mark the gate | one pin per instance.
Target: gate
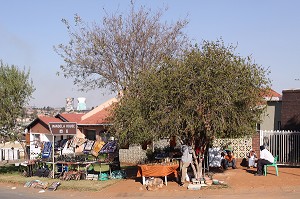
(285, 144)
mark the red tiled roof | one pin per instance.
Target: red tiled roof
(71, 117)
(97, 118)
(47, 119)
(44, 120)
(271, 93)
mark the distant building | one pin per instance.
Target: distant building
(69, 104)
(81, 106)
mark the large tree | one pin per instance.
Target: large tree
(211, 92)
(16, 89)
(112, 52)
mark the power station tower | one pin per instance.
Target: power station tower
(81, 106)
(69, 107)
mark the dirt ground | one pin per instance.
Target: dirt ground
(241, 183)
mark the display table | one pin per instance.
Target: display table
(84, 164)
(157, 170)
(29, 167)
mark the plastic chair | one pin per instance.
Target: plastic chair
(272, 165)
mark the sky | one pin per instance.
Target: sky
(267, 30)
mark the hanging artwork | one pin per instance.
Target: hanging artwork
(67, 149)
(109, 147)
(46, 152)
(97, 147)
(88, 145)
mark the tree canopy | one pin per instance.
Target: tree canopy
(111, 53)
(16, 89)
(210, 92)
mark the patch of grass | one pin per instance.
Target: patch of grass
(12, 174)
(80, 185)
(8, 169)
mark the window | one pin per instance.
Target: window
(36, 140)
(90, 134)
(258, 127)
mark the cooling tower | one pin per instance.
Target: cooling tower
(81, 106)
(69, 104)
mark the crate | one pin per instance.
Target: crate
(91, 177)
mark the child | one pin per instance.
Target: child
(252, 157)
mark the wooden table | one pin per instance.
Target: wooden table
(157, 170)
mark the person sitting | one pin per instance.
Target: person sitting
(229, 160)
(265, 158)
(252, 158)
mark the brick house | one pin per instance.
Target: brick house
(89, 125)
(290, 113)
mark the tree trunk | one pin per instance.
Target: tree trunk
(196, 167)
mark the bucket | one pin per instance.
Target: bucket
(103, 176)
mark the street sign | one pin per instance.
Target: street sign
(63, 128)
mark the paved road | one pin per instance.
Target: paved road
(19, 192)
(11, 192)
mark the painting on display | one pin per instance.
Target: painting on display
(89, 145)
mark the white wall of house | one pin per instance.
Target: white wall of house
(36, 140)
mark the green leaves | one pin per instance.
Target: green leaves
(15, 91)
(210, 92)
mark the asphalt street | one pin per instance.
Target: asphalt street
(10, 192)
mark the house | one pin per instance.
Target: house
(271, 118)
(290, 112)
(89, 125)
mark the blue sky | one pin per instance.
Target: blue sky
(267, 30)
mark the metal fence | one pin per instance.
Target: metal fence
(9, 154)
(285, 144)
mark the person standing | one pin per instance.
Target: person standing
(186, 160)
(265, 158)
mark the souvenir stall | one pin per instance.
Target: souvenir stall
(59, 129)
(67, 164)
(105, 154)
